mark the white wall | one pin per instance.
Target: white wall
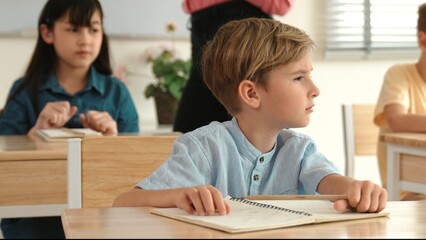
(340, 81)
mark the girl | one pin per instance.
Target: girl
(68, 83)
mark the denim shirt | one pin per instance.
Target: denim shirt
(101, 93)
(220, 155)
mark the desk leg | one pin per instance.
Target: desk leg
(393, 170)
(74, 173)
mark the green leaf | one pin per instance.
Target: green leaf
(175, 90)
(149, 91)
(171, 74)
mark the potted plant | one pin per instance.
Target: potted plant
(171, 74)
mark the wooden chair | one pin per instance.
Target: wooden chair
(360, 133)
(101, 168)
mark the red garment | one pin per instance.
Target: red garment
(279, 7)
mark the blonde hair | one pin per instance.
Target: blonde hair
(249, 49)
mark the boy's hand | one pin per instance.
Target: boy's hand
(55, 115)
(202, 200)
(99, 121)
(363, 196)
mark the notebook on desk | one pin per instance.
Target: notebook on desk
(58, 134)
(249, 215)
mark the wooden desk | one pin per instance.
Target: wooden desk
(406, 163)
(33, 177)
(406, 220)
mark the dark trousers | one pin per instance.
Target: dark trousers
(198, 106)
(32, 228)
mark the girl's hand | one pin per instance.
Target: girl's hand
(54, 115)
(99, 121)
(202, 200)
(363, 196)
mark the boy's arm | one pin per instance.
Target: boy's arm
(334, 184)
(363, 196)
(400, 120)
(138, 197)
(203, 200)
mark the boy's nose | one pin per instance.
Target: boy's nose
(315, 91)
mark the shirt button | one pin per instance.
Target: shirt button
(256, 177)
(261, 159)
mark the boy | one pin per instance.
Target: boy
(401, 105)
(260, 70)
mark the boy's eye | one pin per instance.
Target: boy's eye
(300, 78)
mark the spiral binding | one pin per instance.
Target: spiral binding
(264, 205)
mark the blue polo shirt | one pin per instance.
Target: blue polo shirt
(102, 93)
(220, 155)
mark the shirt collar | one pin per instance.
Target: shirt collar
(95, 80)
(248, 150)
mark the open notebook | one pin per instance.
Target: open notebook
(250, 215)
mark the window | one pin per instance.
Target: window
(369, 27)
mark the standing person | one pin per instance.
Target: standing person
(198, 106)
(68, 83)
(266, 66)
(401, 105)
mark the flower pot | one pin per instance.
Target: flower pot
(166, 106)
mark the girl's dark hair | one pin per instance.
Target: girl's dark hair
(44, 58)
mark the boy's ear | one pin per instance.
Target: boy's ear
(46, 34)
(422, 41)
(248, 93)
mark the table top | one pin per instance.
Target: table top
(23, 147)
(410, 139)
(33, 147)
(406, 220)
